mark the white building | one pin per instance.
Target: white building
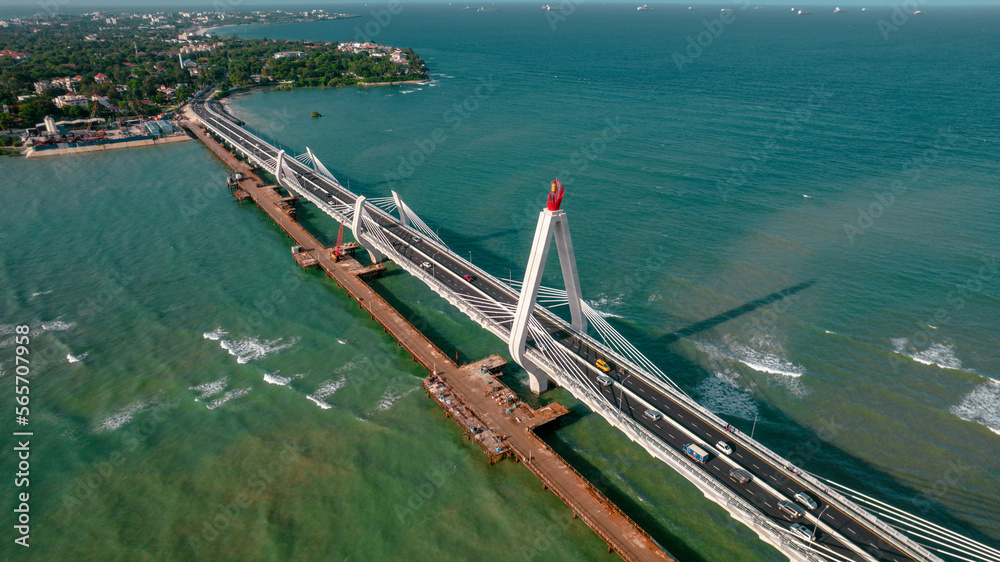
(71, 100)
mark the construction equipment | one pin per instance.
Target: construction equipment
(338, 250)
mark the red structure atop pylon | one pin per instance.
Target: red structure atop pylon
(556, 195)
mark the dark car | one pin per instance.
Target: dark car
(740, 475)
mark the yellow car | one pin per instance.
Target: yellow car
(602, 365)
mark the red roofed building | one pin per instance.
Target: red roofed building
(101, 78)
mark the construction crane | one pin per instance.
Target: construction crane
(338, 250)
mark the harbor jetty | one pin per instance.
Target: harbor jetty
(486, 410)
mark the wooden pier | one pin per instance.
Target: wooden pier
(487, 410)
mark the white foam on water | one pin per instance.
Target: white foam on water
(604, 300)
(210, 388)
(723, 394)
(341, 342)
(215, 335)
(229, 395)
(390, 397)
(350, 365)
(326, 390)
(41, 293)
(329, 387)
(7, 329)
(981, 405)
(57, 326)
(250, 349)
(937, 354)
(319, 402)
(770, 361)
(122, 417)
(8, 342)
(276, 379)
(76, 358)
(763, 361)
(829, 332)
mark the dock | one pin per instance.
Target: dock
(488, 411)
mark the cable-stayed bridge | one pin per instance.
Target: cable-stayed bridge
(590, 359)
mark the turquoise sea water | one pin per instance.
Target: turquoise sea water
(178, 350)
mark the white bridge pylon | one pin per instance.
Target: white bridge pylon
(550, 224)
(360, 228)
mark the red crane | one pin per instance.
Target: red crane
(338, 250)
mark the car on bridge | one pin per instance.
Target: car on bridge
(602, 365)
(426, 265)
(806, 500)
(605, 381)
(724, 447)
(802, 531)
(468, 278)
(790, 509)
(740, 475)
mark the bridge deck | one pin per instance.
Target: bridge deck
(619, 531)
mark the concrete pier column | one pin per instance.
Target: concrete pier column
(360, 230)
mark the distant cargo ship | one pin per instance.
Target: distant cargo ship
(645, 7)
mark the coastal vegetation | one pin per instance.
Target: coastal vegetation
(121, 65)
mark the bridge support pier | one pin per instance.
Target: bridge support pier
(359, 229)
(551, 223)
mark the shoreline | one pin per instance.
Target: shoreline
(31, 153)
(206, 31)
(261, 87)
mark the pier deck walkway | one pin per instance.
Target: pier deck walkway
(621, 534)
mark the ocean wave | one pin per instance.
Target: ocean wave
(390, 397)
(210, 388)
(939, 354)
(41, 293)
(253, 348)
(763, 361)
(215, 334)
(276, 379)
(57, 326)
(229, 395)
(326, 390)
(76, 358)
(350, 365)
(7, 329)
(602, 300)
(982, 406)
(723, 394)
(319, 402)
(122, 417)
(8, 342)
